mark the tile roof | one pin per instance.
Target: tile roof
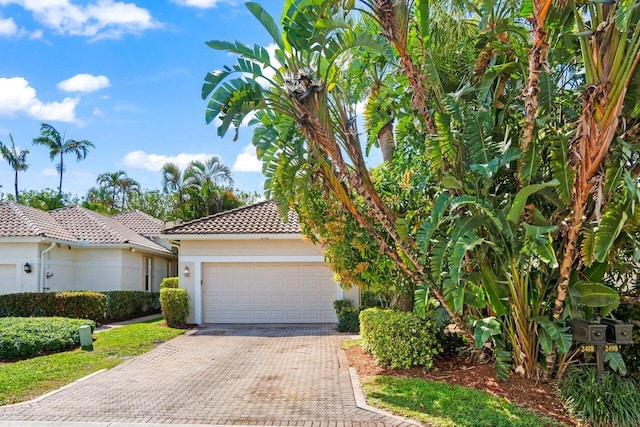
(23, 221)
(73, 224)
(140, 222)
(261, 218)
(96, 228)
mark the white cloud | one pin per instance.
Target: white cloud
(84, 83)
(98, 20)
(8, 28)
(200, 4)
(18, 97)
(154, 162)
(50, 172)
(98, 112)
(247, 161)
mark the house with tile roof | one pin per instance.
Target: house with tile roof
(74, 248)
(251, 265)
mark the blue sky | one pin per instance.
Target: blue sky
(126, 75)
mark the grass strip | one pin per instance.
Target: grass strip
(26, 379)
(444, 405)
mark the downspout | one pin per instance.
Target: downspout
(41, 275)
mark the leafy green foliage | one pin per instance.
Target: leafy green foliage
(607, 403)
(629, 311)
(125, 305)
(170, 282)
(22, 337)
(175, 306)
(347, 313)
(76, 305)
(398, 339)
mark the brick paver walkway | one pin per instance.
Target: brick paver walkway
(220, 374)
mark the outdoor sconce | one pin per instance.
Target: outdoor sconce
(27, 268)
(187, 272)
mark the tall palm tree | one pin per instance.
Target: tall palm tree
(175, 181)
(52, 139)
(17, 161)
(127, 187)
(210, 177)
(118, 184)
(109, 181)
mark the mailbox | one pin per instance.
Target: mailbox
(585, 332)
(618, 332)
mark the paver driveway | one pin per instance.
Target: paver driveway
(220, 374)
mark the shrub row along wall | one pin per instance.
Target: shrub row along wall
(125, 305)
(20, 337)
(100, 307)
(76, 305)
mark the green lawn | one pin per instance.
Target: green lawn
(29, 378)
(444, 405)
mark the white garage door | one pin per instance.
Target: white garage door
(268, 293)
(8, 283)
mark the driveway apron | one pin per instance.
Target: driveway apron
(221, 375)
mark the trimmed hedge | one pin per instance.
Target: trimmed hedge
(398, 339)
(22, 337)
(75, 305)
(169, 282)
(125, 305)
(347, 314)
(175, 306)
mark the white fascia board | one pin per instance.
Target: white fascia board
(251, 258)
(264, 236)
(34, 239)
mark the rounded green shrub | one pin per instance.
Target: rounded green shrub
(612, 402)
(398, 339)
(347, 314)
(22, 337)
(169, 282)
(175, 306)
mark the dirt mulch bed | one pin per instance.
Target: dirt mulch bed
(538, 396)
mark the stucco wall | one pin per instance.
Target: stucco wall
(272, 247)
(13, 256)
(75, 268)
(188, 283)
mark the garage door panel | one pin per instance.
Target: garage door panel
(267, 293)
(8, 282)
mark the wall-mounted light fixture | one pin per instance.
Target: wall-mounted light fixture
(187, 272)
(27, 268)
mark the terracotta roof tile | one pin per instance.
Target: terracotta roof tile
(261, 218)
(140, 222)
(73, 224)
(23, 221)
(96, 228)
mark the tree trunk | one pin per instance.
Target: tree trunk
(61, 171)
(387, 141)
(16, 186)
(537, 63)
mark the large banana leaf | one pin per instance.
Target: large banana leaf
(559, 169)
(517, 206)
(596, 295)
(497, 291)
(611, 225)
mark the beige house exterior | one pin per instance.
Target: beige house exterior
(74, 248)
(249, 266)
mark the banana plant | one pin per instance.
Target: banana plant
(610, 44)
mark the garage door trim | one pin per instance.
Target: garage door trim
(198, 260)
